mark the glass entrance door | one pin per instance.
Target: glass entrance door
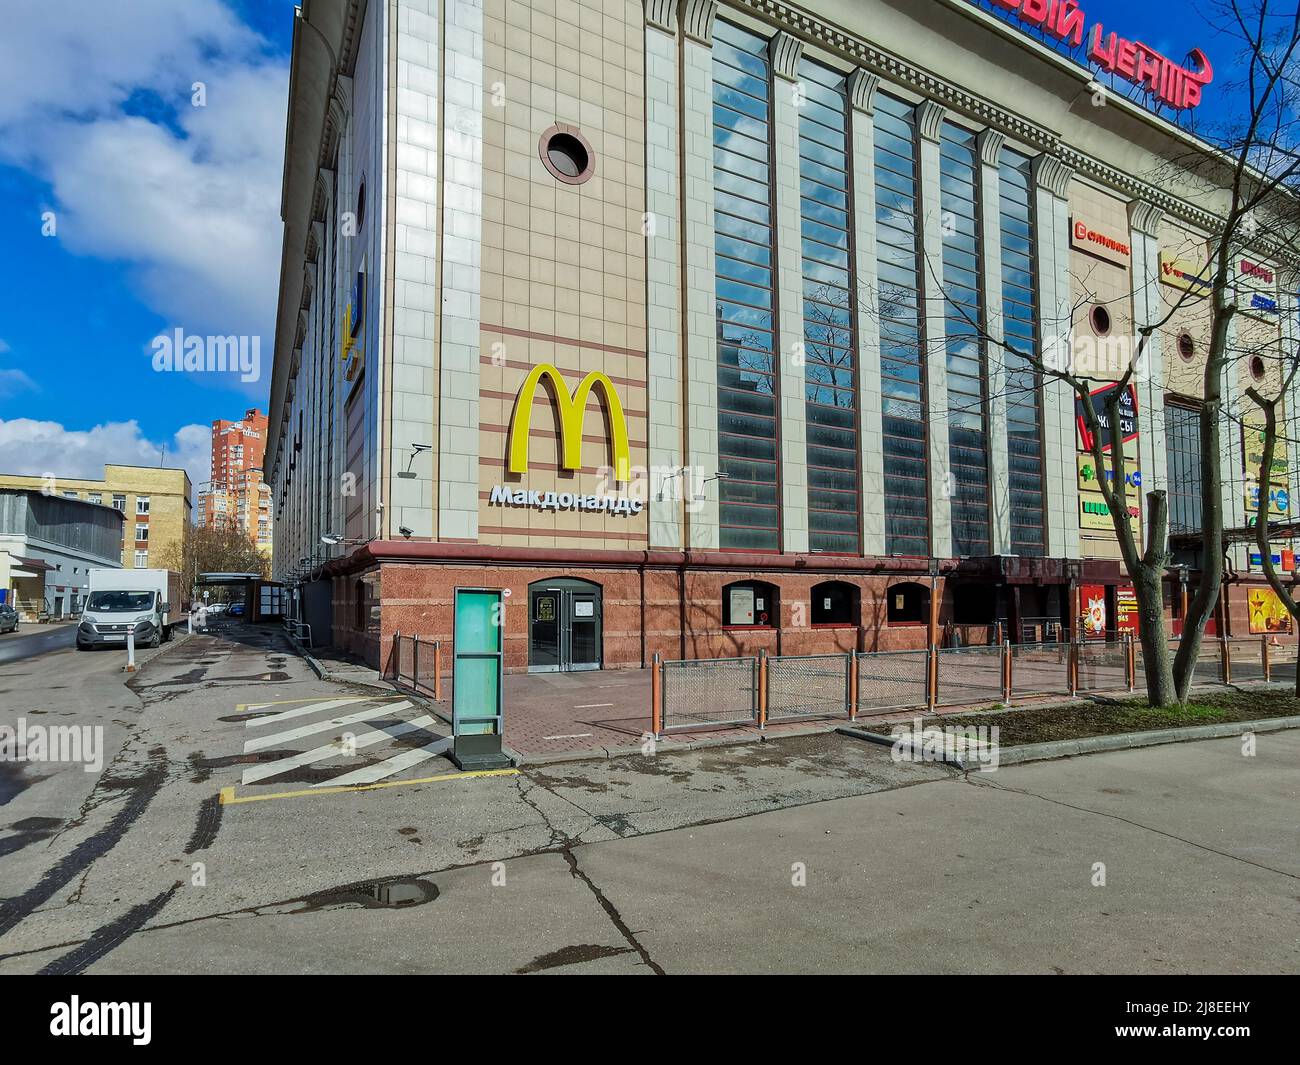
(564, 626)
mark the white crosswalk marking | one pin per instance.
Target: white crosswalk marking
(333, 750)
(373, 773)
(369, 713)
(371, 722)
(298, 711)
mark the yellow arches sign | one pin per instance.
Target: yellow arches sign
(570, 410)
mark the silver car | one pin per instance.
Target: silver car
(8, 618)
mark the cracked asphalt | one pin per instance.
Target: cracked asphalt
(807, 854)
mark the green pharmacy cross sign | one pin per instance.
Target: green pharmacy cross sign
(476, 679)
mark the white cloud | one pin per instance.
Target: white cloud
(188, 203)
(33, 447)
(14, 381)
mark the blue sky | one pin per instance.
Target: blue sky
(167, 214)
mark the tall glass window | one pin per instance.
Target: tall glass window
(1019, 322)
(963, 343)
(1183, 452)
(907, 528)
(749, 511)
(829, 378)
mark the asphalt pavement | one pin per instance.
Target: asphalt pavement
(802, 854)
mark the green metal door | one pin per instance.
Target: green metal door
(477, 664)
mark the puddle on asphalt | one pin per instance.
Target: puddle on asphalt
(372, 895)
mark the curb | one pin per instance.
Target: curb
(322, 673)
(671, 747)
(1034, 752)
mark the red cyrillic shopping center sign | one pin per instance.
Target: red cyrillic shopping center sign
(1167, 81)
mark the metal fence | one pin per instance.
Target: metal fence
(417, 664)
(1041, 668)
(709, 693)
(969, 675)
(893, 680)
(1103, 666)
(716, 693)
(808, 686)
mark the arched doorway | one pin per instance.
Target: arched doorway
(564, 626)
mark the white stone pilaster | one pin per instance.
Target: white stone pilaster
(784, 51)
(668, 488)
(929, 120)
(701, 340)
(462, 228)
(409, 402)
(1052, 240)
(862, 90)
(990, 196)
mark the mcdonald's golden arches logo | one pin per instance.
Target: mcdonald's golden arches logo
(570, 411)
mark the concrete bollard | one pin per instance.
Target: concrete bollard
(130, 650)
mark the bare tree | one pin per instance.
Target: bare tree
(1251, 171)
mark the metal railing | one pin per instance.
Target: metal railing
(715, 693)
(707, 693)
(806, 686)
(417, 664)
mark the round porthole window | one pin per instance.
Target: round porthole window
(1257, 368)
(567, 154)
(1099, 319)
(1186, 347)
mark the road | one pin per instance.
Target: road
(31, 640)
(810, 854)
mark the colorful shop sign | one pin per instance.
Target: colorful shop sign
(1084, 236)
(1128, 417)
(1092, 611)
(1252, 449)
(1089, 479)
(1169, 82)
(1094, 514)
(1256, 289)
(1279, 500)
(1185, 272)
(1267, 612)
(1126, 609)
(1283, 560)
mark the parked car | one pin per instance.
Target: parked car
(236, 610)
(8, 618)
(216, 608)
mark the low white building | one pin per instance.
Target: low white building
(48, 546)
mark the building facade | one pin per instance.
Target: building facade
(237, 495)
(156, 503)
(709, 327)
(48, 546)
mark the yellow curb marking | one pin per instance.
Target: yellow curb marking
(227, 795)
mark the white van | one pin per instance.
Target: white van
(146, 602)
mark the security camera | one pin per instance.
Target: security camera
(405, 531)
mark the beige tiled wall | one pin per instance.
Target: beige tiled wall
(563, 278)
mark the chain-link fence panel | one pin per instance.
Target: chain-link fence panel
(807, 686)
(1282, 662)
(1209, 662)
(1103, 666)
(969, 675)
(710, 693)
(1040, 669)
(1246, 659)
(425, 666)
(893, 680)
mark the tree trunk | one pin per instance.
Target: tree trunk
(1157, 661)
